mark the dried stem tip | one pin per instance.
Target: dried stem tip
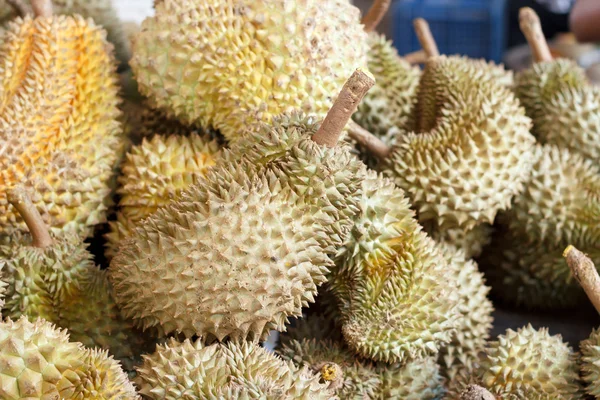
(19, 6)
(426, 38)
(366, 139)
(344, 106)
(585, 272)
(476, 392)
(20, 200)
(375, 14)
(532, 29)
(42, 8)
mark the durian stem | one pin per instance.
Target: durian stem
(42, 8)
(375, 14)
(19, 7)
(532, 29)
(426, 38)
(416, 57)
(369, 141)
(20, 200)
(585, 272)
(344, 106)
(476, 392)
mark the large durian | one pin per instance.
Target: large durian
(224, 371)
(232, 64)
(59, 128)
(396, 301)
(530, 364)
(37, 361)
(54, 277)
(154, 173)
(245, 248)
(558, 96)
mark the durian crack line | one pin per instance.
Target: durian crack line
(375, 14)
(20, 200)
(532, 29)
(345, 105)
(425, 38)
(585, 273)
(19, 7)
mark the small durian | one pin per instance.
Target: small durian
(471, 242)
(530, 364)
(224, 371)
(590, 363)
(229, 65)
(59, 120)
(561, 201)
(153, 174)
(558, 97)
(37, 361)
(54, 278)
(396, 300)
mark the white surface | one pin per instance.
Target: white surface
(134, 10)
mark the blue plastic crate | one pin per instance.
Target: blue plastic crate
(475, 28)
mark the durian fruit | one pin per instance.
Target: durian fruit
(475, 311)
(590, 363)
(154, 174)
(224, 371)
(247, 247)
(415, 380)
(54, 277)
(530, 364)
(472, 242)
(59, 90)
(561, 201)
(232, 64)
(396, 300)
(101, 11)
(558, 96)
(37, 361)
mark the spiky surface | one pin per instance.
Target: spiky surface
(62, 285)
(228, 64)
(459, 382)
(315, 326)
(390, 103)
(235, 256)
(531, 274)
(330, 177)
(471, 242)
(191, 370)
(38, 361)
(530, 364)
(471, 148)
(415, 380)
(101, 11)
(396, 301)
(475, 309)
(590, 363)
(60, 89)
(561, 201)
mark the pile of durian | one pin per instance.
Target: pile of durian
(248, 168)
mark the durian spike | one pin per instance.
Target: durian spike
(344, 106)
(42, 8)
(532, 29)
(476, 392)
(372, 143)
(426, 38)
(20, 200)
(375, 14)
(19, 7)
(416, 57)
(585, 273)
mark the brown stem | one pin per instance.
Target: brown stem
(19, 6)
(42, 8)
(344, 106)
(416, 57)
(476, 392)
(20, 200)
(532, 29)
(375, 14)
(369, 141)
(585, 272)
(426, 38)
